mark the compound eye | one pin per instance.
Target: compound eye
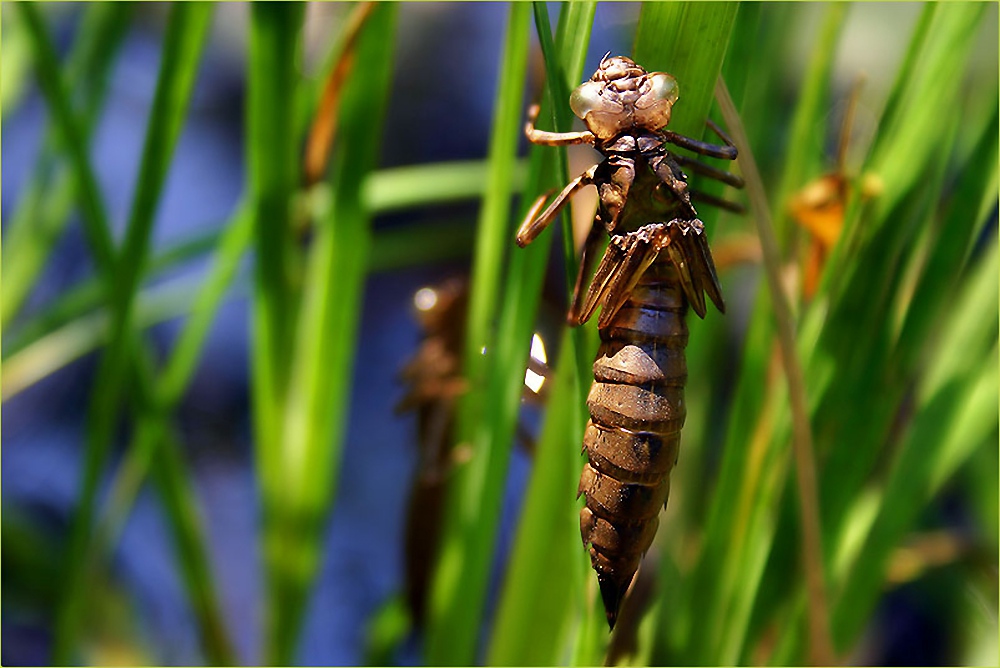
(586, 98)
(664, 87)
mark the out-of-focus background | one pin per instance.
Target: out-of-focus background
(141, 605)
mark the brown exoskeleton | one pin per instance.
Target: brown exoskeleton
(657, 263)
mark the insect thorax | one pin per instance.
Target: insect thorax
(631, 186)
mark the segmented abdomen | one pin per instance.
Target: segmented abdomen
(637, 411)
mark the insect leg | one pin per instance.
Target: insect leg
(704, 148)
(712, 200)
(708, 170)
(533, 226)
(553, 138)
(673, 178)
(720, 133)
(590, 247)
(614, 178)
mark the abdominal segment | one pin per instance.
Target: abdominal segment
(637, 411)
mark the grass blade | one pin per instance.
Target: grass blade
(473, 497)
(956, 415)
(820, 648)
(44, 209)
(322, 365)
(273, 83)
(688, 40)
(476, 493)
(806, 138)
(543, 601)
(273, 177)
(542, 606)
(182, 50)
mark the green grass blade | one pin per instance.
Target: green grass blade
(475, 496)
(493, 236)
(72, 340)
(557, 87)
(183, 49)
(322, 366)
(807, 137)
(15, 62)
(956, 415)
(542, 600)
(177, 494)
(421, 245)
(273, 176)
(898, 156)
(101, 244)
(972, 203)
(874, 293)
(564, 63)
(459, 583)
(153, 445)
(179, 369)
(72, 136)
(273, 171)
(688, 40)
(435, 183)
(874, 281)
(802, 440)
(44, 209)
(385, 190)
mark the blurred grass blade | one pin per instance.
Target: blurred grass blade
(44, 208)
(474, 494)
(493, 230)
(901, 148)
(956, 415)
(820, 649)
(542, 601)
(972, 204)
(71, 135)
(272, 157)
(153, 446)
(475, 497)
(807, 136)
(63, 345)
(182, 48)
(273, 85)
(324, 126)
(180, 367)
(322, 366)
(433, 183)
(737, 530)
(393, 189)
(98, 235)
(15, 63)
(542, 605)
(177, 493)
(874, 271)
(86, 296)
(873, 279)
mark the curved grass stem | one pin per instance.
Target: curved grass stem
(820, 643)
